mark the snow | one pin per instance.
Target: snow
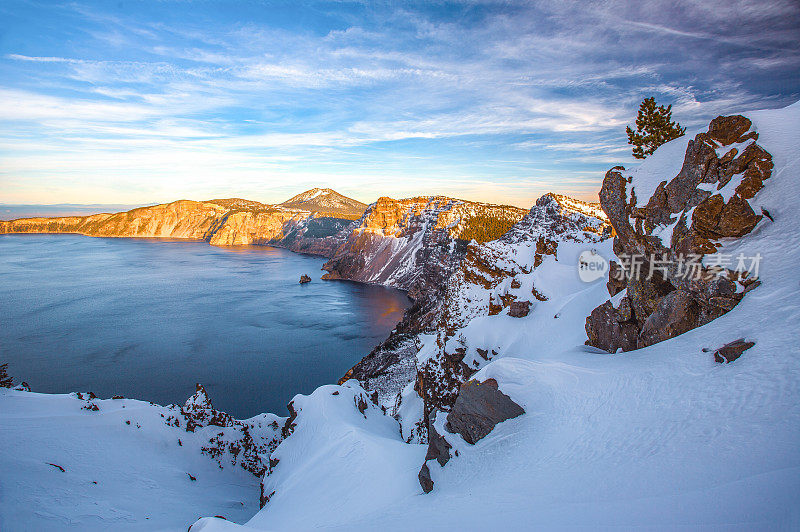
(662, 165)
(140, 470)
(338, 458)
(660, 438)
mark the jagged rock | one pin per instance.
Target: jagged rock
(438, 448)
(199, 400)
(479, 407)
(609, 329)
(289, 424)
(424, 477)
(664, 300)
(305, 279)
(361, 404)
(519, 309)
(731, 351)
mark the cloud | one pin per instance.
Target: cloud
(507, 96)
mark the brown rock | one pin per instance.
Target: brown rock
(424, 477)
(728, 129)
(519, 309)
(478, 408)
(731, 351)
(672, 302)
(607, 332)
(676, 313)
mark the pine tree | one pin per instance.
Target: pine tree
(5, 380)
(654, 127)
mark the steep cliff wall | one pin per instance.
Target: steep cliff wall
(179, 219)
(477, 279)
(415, 244)
(228, 222)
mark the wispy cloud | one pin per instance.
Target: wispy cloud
(499, 101)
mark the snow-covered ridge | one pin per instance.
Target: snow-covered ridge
(79, 462)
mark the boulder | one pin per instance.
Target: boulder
(424, 477)
(519, 309)
(438, 448)
(478, 408)
(731, 351)
(611, 330)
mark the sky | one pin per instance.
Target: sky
(147, 102)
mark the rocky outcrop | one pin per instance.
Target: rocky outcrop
(496, 277)
(412, 368)
(480, 406)
(670, 235)
(413, 244)
(246, 443)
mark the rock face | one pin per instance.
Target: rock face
(670, 233)
(413, 244)
(220, 222)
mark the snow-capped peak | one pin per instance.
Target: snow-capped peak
(327, 202)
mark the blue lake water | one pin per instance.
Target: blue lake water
(148, 318)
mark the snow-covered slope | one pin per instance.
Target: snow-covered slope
(75, 462)
(658, 438)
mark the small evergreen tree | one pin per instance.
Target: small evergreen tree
(5, 380)
(654, 127)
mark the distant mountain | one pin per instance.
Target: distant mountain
(328, 202)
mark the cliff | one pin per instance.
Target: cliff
(221, 222)
(415, 244)
(488, 279)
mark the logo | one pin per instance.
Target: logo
(591, 266)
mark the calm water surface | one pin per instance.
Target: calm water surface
(148, 318)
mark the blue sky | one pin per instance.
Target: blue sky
(142, 102)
